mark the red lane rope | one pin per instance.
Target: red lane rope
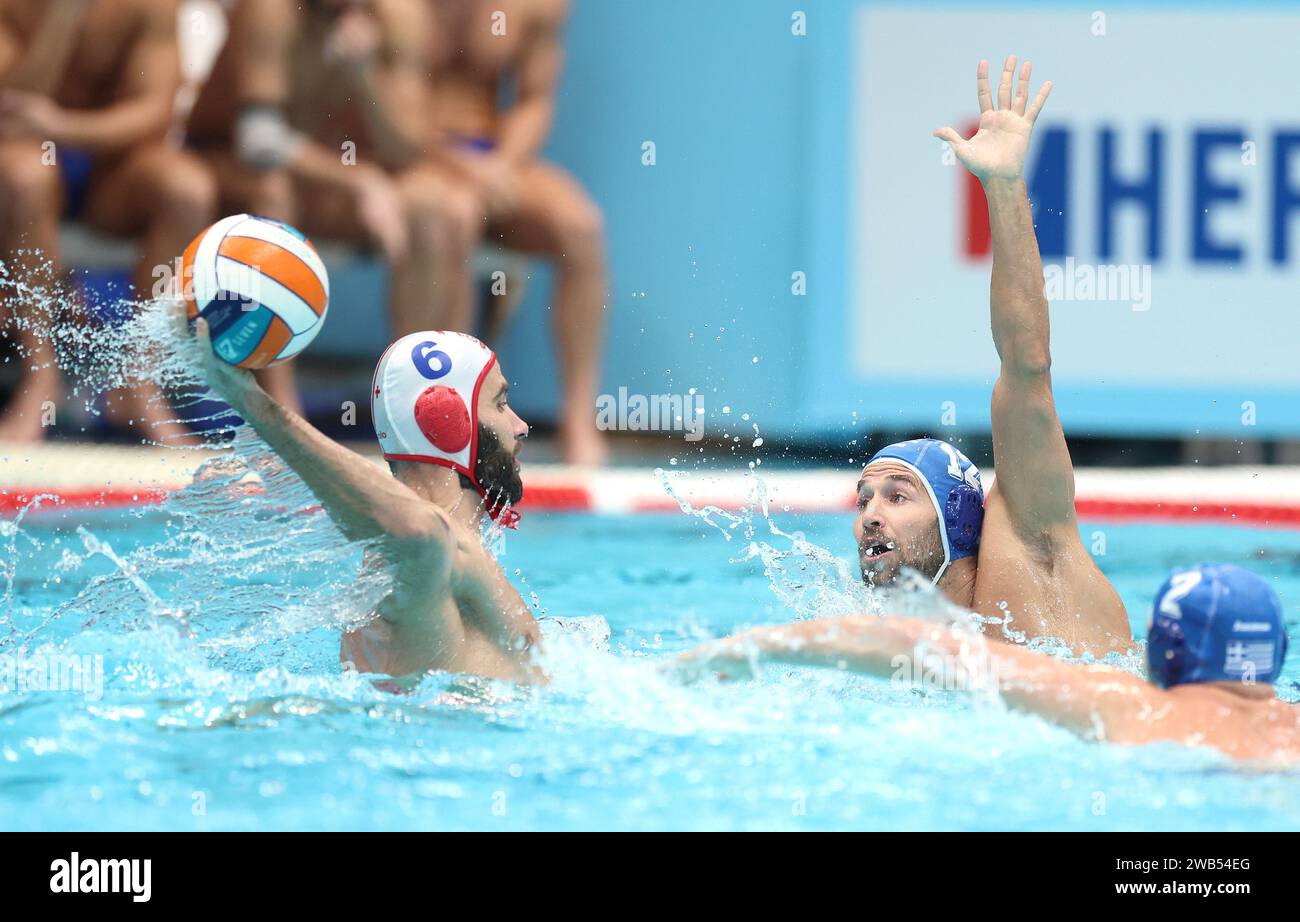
(13, 500)
(1182, 510)
(576, 498)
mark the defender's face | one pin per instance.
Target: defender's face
(494, 412)
(896, 525)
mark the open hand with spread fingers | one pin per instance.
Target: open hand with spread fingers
(997, 150)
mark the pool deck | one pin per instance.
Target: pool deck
(87, 475)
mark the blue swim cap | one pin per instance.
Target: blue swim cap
(953, 483)
(1215, 623)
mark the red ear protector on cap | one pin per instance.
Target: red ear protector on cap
(444, 419)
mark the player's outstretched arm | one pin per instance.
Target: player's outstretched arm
(362, 501)
(842, 643)
(1034, 472)
(1093, 702)
(879, 646)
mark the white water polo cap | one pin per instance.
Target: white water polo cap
(424, 400)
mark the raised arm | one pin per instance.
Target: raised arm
(1034, 472)
(1087, 700)
(361, 500)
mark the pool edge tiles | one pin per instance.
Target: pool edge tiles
(84, 476)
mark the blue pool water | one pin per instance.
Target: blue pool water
(217, 619)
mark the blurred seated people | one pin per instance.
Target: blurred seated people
(486, 179)
(86, 95)
(313, 112)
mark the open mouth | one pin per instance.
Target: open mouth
(877, 550)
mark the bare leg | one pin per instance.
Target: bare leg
(433, 288)
(556, 218)
(30, 200)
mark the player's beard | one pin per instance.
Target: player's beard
(928, 562)
(924, 556)
(496, 471)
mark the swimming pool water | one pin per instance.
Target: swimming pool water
(224, 707)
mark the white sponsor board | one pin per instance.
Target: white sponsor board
(920, 299)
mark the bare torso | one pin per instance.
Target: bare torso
(494, 637)
(320, 98)
(477, 46)
(1049, 589)
(93, 77)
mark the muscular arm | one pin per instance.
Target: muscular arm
(267, 33)
(361, 500)
(864, 644)
(269, 30)
(146, 94)
(526, 125)
(1034, 472)
(396, 86)
(1087, 700)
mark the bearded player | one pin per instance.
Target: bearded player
(452, 443)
